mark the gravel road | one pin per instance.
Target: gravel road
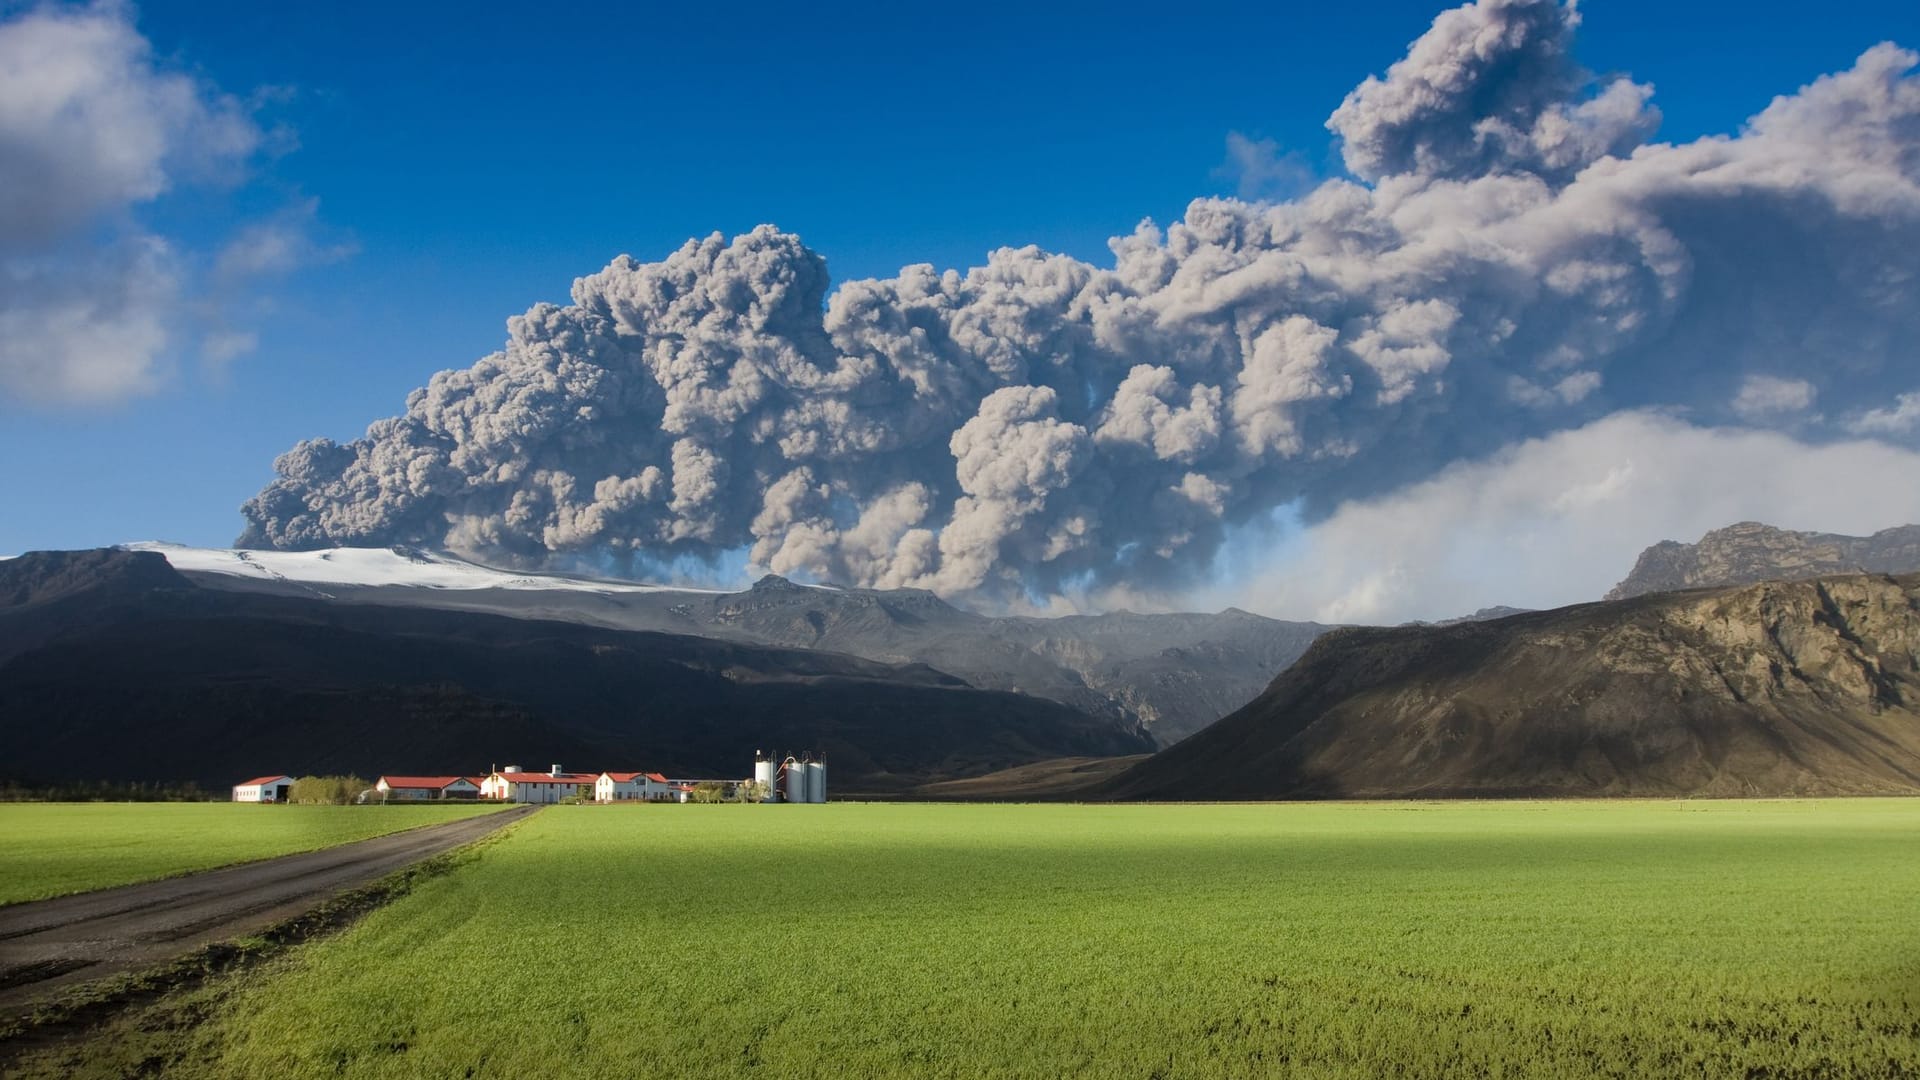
(49, 944)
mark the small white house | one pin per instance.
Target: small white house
(513, 784)
(264, 789)
(411, 788)
(635, 787)
(619, 787)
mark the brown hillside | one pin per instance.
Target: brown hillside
(1803, 688)
(1751, 552)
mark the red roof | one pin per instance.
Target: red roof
(258, 780)
(549, 778)
(622, 777)
(432, 783)
(656, 778)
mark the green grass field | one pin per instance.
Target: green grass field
(49, 849)
(1767, 939)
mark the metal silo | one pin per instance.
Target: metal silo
(816, 781)
(764, 771)
(796, 779)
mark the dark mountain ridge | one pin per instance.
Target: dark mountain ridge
(1171, 674)
(114, 666)
(1797, 688)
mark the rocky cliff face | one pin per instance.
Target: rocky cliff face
(1801, 688)
(1749, 552)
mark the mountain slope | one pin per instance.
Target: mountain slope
(1749, 552)
(1803, 688)
(44, 576)
(1173, 674)
(137, 674)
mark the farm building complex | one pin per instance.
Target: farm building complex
(791, 780)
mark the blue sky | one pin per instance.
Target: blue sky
(464, 161)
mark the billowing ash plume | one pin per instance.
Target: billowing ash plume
(1515, 260)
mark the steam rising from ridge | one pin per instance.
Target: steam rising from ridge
(1515, 260)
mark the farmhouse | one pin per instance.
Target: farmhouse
(626, 786)
(264, 789)
(638, 786)
(396, 788)
(513, 784)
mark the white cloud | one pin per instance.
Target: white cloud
(1897, 419)
(92, 129)
(1763, 397)
(89, 128)
(1571, 390)
(222, 346)
(90, 328)
(279, 245)
(89, 124)
(1559, 520)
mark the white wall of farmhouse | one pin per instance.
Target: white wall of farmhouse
(527, 787)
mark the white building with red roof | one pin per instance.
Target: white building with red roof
(264, 789)
(636, 787)
(401, 788)
(514, 784)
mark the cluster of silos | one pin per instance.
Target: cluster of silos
(793, 780)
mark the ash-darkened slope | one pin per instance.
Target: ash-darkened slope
(139, 677)
(1802, 688)
(1172, 673)
(41, 576)
(1749, 551)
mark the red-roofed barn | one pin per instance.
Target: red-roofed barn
(399, 788)
(264, 789)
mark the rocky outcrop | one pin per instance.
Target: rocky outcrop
(1800, 688)
(1750, 551)
(41, 576)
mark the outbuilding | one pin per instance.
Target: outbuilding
(409, 788)
(264, 789)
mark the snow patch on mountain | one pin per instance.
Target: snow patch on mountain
(403, 567)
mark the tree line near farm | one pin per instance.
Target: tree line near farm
(713, 791)
(328, 790)
(315, 790)
(107, 791)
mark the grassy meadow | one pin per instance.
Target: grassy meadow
(50, 849)
(1768, 939)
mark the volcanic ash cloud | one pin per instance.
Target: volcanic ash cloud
(1512, 259)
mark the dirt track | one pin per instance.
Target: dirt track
(48, 944)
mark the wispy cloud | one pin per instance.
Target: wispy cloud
(1259, 169)
(1899, 418)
